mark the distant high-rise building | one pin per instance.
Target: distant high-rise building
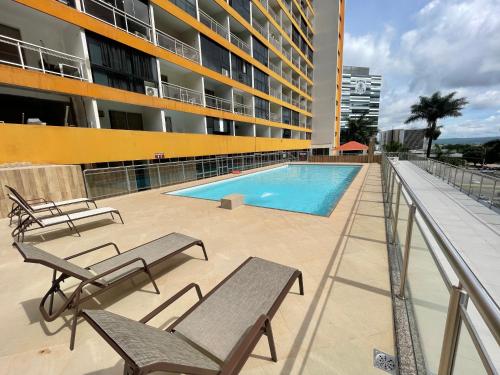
(360, 94)
(412, 139)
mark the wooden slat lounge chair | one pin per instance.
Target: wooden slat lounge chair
(215, 336)
(105, 274)
(28, 221)
(37, 205)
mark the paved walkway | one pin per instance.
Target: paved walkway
(471, 227)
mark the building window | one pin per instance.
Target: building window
(125, 120)
(241, 70)
(260, 52)
(287, 133)
(261, 81)
(286, 115)
(261, 108)
(295, 118)
(242, 7)
(218, 126)
(214, 56)
(119, 66)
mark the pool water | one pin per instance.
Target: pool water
(311, 189)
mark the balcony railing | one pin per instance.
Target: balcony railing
(275, 68)
(275, 92)
(117, 18)
(243, 109)
(257, 26)
(455, 320)
(275, 41)
(183, 94)
(276, 117)
(176, 46)
(186, 6)
(30, 56)
(239, 43)
(287, 53)
(274, 15)
(218, 103)
(286, 98)
(214, 25)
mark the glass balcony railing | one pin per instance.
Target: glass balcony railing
(30, 56)
(214, 25)
(276, 117)
(243, 109)
(218, 103)
(183, 94)
(239, 43)
(174, 45)
(117, 18)
(454, 320)
(257, 26)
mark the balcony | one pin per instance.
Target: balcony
(274, 15)
(174, 45)
(275, 92)
(186, 6)
(33, 57)
(182, 94)
(243, 109)
(274, 68)
(214, 25)
(257, 26)
(276, 117)
(117, 18)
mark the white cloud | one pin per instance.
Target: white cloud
(454, 46)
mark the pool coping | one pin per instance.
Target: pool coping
(222, 178)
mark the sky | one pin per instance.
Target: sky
(422, 46)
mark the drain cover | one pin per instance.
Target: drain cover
(384, 361)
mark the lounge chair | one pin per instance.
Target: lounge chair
(27, 219)
(215, 336)
(104, 275)
(42, 205)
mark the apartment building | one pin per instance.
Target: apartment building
(360, 94)
(112, 81)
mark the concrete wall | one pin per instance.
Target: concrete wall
(326, 26)
(52, 182)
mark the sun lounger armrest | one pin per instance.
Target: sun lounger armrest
(242, 351)
(94, 249)
(171, 300)
(54, 206)
(36, 200)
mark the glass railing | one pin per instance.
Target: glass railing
(276, 117)
(183, 94)
(218, 103)
(30, 56)
(239, 43)
(117, 18)
(243, 109)
(480, 186)
(454, 322)
(257, 26)
(176, 46)
(214, 25)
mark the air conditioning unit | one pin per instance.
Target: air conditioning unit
(151, 91)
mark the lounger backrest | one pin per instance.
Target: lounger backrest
(26, 210)
(219, 322)
(32, 254)
(18, 196)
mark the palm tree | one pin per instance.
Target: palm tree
(360, 129)
(433, 108)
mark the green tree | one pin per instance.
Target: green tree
(360, 129)
(474, 154)
(492, 151)
(394, 146)
(433, 108)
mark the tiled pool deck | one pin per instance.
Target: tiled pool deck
(346, 311)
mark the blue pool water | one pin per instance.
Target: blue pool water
(311, 189)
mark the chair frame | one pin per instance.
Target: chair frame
(75, 299)
(16, 210)
(239, 355)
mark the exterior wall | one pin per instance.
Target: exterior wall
(67, 145)
(328, 52)
(52, 182)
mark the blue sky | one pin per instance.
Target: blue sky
(421, 46)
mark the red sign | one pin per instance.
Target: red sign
(159, 155)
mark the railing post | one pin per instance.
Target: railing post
(41, 60)
(470, 183)
(159, 175)
(480, 188)
(20, 54)
(409, 231)
(128, 180)
(391, 193)
(455, 178)
(451, 332)
(396, 214)
(462, 181)
(493, 192)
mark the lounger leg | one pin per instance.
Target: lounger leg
(269, 333)
(152, 280)
(74, 227)
(301, 284)
(203, 248)
(128, 369)
(120, 215)
(51, 301)
(75, 320)
(88, 205)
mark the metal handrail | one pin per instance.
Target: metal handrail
(243, 109)
(183, 94)
(213, 24)
(176, 46)
(257, 26)
(483, 301)
(41, 52)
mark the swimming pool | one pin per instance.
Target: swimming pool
(307, 188)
